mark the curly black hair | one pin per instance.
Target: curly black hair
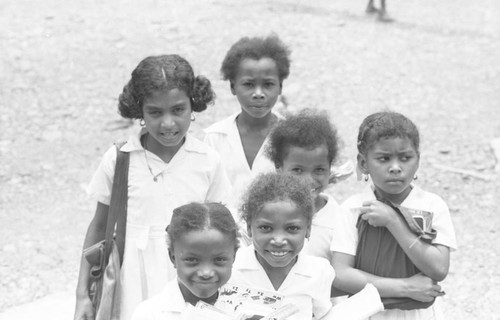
(256, 48)
(274, 186)
(386, 124)
(201, 216)
(309, 128)
(163, 72)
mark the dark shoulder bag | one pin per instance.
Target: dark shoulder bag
(106, 256)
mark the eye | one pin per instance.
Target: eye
(297, 170)
(154, 113)
(190, 260)
(264, 228)
(247, 84)
(269, 84)
(221, 260)
(178, 110)
(405, 158)
(293, 229)
(320, 170)
(383, 159)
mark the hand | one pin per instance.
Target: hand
(378, 214)
(423, 288)
(84, 309)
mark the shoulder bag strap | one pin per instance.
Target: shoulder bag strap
(117, 214)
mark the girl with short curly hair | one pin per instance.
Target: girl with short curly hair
(168, 168)
(255, 68)
(306, 144)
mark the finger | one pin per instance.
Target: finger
(368, 203)
(436, 287)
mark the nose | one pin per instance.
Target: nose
(278, 240)
(258, 93)
(206, 273)
(395, 168)
(167, 121)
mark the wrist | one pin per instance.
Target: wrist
(82, 293)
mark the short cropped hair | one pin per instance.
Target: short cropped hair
(256, 48)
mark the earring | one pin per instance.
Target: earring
(142, 123)
(193, 118)
(366, 177)
(415, 177)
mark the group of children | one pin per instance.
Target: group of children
(247, 208)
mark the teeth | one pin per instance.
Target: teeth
(279, 254)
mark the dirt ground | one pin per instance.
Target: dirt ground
(63, 64)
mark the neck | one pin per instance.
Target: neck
(164, 153)
(319, 203)
(393, 198)
(190, 298)
(246, 121)
(276, 274)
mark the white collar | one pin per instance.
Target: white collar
(248, 261)
(228, 125)
(191, 144)
(172, 298)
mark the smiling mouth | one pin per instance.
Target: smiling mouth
(278, 254)
(169, 134)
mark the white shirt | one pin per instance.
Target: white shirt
(306, 286)
(168, 304)
(225, 138)
(194, 174)
(322, 230)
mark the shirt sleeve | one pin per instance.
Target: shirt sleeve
(321, 302)
(443, 225)
(219, 188)
(345, 233)
(102, 181)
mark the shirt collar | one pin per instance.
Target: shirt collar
(191, 144)
(228, 125)
(248, 261)
(172, 298)
(414, 192)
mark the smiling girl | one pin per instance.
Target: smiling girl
(168, 168)
(278, 210)
(202, 242)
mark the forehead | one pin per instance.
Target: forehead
(306, 156)
(204, 242)
(280, 211)
(162, 98)
(263, 67)
(393, 144)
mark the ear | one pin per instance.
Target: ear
(308, 232)
(231, 85)
(171, 255)
(362, 164)
(281, 86)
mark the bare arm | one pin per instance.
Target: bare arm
(432, 260)
(352, 280)
(95, 233)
